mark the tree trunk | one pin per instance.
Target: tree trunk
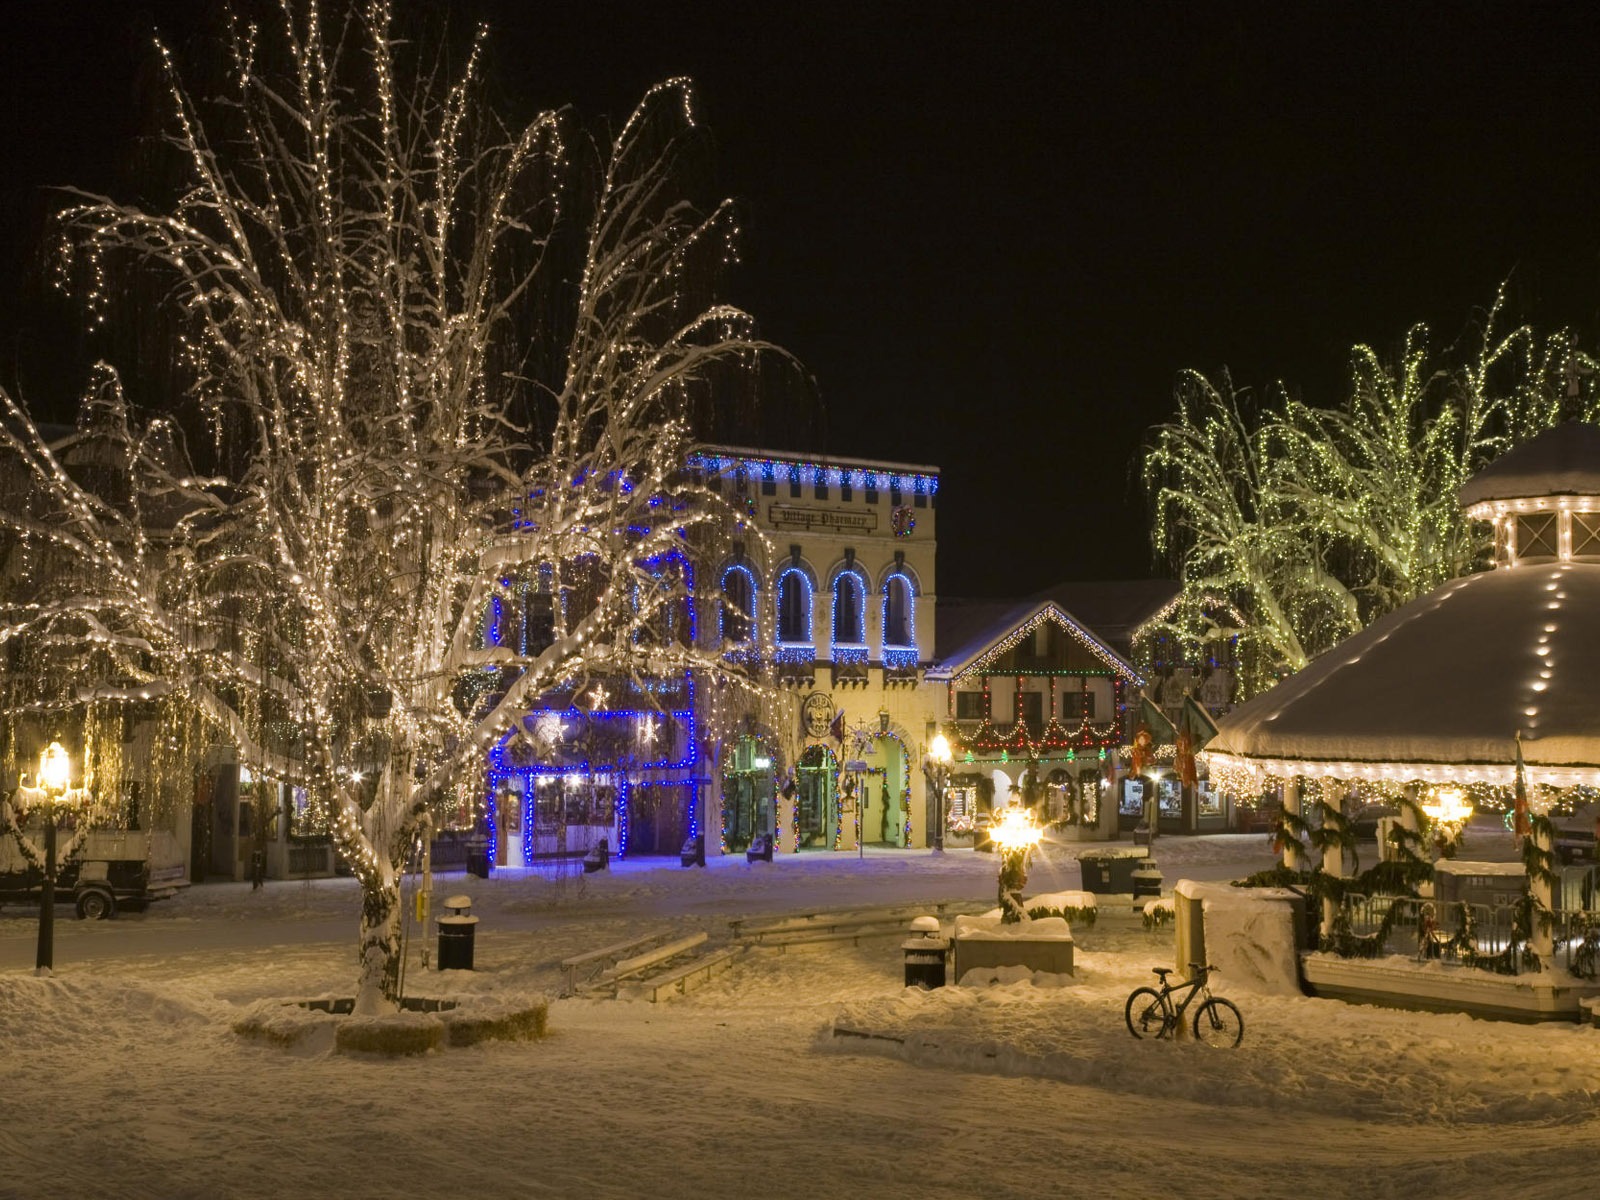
(379, 987)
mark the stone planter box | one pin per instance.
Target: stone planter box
(989, 950)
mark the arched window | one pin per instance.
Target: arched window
(794, 608)
(899, 612)
(738, 604)
(849, 610)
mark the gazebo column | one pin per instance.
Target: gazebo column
(1542, 941)
(1408, 814)
(1294, 858)
(1332, 865)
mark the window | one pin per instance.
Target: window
(769, 487)
(969, 706)
(1586, 534)
(1536, 536)
(920, 500)
(898, 625)
(794, 607)
(849, 610)
(894, 492)
(738, 604)
(794, 487)
(822, 488)
(872, 494)
(846, 492)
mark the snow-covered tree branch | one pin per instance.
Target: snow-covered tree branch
(431, 361)
(1292, 526)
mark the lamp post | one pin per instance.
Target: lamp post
(937, 768)
(55, 772)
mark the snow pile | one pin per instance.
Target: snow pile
(1249, 935)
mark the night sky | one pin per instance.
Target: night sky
(994, 234)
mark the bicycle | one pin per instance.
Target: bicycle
(1152, 1013)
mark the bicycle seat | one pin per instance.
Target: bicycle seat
(1162, 972)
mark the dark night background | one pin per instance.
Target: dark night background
(995, 236)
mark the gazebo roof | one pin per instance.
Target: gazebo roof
(1564, 460)
(1437, 690)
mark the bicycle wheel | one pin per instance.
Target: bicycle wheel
(1218, 1023)
(1146, 1015)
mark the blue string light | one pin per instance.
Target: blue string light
(823, 474)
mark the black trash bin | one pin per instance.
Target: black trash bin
(1109, 873)
(693, 853)
(457, 933)
(598, 858)
(760, 849)
(478, 861)
(926, 953)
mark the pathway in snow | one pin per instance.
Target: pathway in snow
(120, 1075)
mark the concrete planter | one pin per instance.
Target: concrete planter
(988, 951)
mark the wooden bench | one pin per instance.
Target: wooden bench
(696, 970)
(606, 956)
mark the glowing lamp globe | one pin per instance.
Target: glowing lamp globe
(1449, 807)
(55, 768)
(939, 749)
(1017, 830)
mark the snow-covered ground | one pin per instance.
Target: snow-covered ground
(120, 1076)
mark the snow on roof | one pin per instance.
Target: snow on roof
(1109, 610)
(1564, 460)
(1441, 685)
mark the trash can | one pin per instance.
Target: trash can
(693, 853)
(598, 858)
(1147, 880)
(925, 952)
(760, 849)
(1109, 873)
(456, 935)
(478, 860)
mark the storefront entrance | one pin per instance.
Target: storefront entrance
(748, 787)
(818, 799)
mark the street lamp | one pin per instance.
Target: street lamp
(55, 774)
(937, 768)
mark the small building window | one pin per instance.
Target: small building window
(769, 487)
(849, 611)
(898, 620)
(794, 608)
(738, 605)
(1536, 535)
(846, 492)
(969, 706)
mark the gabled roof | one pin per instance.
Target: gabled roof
(984, 629)
(1108, 612)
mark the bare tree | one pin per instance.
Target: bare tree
(432, 361)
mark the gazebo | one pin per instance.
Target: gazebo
(1436, 693)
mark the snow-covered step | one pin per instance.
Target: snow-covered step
(683, 978)
(632, 968)
(596, 961)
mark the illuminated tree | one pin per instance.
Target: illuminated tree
(1293, 526)
(431, 363)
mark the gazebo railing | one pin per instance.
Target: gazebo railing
(1472, 935)
(1483, 936)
